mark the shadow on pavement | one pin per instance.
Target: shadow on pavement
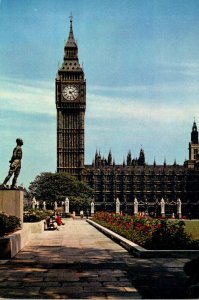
(83, 273)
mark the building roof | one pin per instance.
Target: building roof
(129, 170)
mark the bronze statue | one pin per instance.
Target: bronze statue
(15, 164)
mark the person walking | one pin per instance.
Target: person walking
(81, 214)
(87, 214)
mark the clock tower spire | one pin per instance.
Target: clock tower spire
(71, 104)
(71, 40)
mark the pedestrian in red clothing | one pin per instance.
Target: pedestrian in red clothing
(58, 220)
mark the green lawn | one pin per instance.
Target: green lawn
(192, 226)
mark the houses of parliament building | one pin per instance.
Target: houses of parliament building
(109, 181)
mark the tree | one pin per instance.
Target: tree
(51, 187)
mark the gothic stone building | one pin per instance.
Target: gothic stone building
(130, 180)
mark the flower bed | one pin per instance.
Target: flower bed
(148, 233)
(8, 224)
(35, 215)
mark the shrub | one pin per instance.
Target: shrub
(35, 215)
(171, 235)
(147, 232)
(8, 224)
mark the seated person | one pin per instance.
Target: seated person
(47, 222)
(51, 223)
(58, 220)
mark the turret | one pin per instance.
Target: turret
(154, 163)
(194, 134)
(110, 158)
(124, 163)
(98, 160)
(165, 163)
(193, 147)
(129, 159)
(141, 159)
(175, 163)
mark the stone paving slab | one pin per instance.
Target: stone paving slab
(79, 262)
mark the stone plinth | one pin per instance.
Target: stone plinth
(10, 245)
(11, 202)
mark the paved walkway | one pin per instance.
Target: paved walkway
(80, 262)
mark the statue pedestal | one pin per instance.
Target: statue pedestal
(11, 202)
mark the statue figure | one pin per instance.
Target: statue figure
(136, 206)
(34, 203)
(15, 164)
(44, 205)
(179, 208)
(66, 205)
(117, 206)
(162, 205)
(55, 205)
(92, 208)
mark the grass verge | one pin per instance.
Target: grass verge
(192, 227)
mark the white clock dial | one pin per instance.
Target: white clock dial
(70, 92)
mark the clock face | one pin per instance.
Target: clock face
(70, 92)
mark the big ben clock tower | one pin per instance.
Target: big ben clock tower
(71, 105)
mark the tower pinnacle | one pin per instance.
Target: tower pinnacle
(71, 61)
(194, 133)
(71, 40)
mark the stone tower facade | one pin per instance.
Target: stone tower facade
(193, 147)
(70, 96)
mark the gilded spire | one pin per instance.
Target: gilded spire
(71, 62)
(71, 40)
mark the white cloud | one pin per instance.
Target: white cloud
(184, 65)
(189, 69)
(26, 97)
(101, 107)
(188, 87)
(158, 103)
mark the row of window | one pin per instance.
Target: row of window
(135, 177)
(126, 183)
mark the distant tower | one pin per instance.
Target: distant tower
(129, 159)
(110, 158)
(70, 100)
(141, 159)
(193, 146)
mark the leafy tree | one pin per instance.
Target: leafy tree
(51, 187)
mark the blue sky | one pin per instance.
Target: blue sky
(141, 62)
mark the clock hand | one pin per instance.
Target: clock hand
(73, 93)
